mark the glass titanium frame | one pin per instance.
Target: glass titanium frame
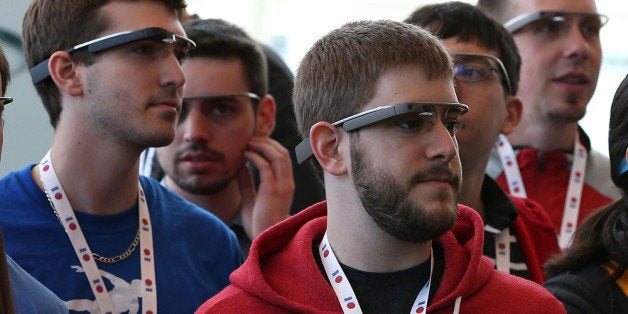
(6, 100)
(521, 21)
(500, 67)
(40, 71)
(304, 149)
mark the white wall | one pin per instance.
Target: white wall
(27, 132)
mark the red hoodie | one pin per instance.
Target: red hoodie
(546, 176)
(536, 236)
(281, 274)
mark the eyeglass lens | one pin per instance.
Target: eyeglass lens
(473, 70)
(555, 26)
(425, 121)
(162, 49)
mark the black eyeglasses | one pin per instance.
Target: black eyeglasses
(470, 67)
(218, 105)
(6, 100)
(182, 46)
(551, 25)
(423, 109)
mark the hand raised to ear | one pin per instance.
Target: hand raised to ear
(273, 199)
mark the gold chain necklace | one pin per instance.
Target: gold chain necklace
(97, 257)
(121, 257)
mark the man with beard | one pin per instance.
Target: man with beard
(552, 161)
(375, 102)
(226, 120)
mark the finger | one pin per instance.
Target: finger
(246, 187)
(277, 156)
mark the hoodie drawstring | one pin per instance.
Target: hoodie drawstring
(457, 305)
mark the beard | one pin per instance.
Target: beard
(387, 203)
(569, 115)
(193, 186)
(197, 183)
(566, 117)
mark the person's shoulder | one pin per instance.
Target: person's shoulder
(156, 191)
(20, 176)
(583, 291)
(532, 212)
(174, 208)
(175, 216)
(19, 187)
(522, 295)
(582, 279)
(228, 299)
(598, 175)
(598, 158)
(29, 295)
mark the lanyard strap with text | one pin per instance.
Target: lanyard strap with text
(574, 190)
(65, 213)
(342, 287)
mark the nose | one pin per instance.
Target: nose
(577, 45)
(172, 73)
(196, 127)
(440, 145)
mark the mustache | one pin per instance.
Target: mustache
(168, 92)
(438, 173)
(199, 148)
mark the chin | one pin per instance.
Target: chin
(160, 141)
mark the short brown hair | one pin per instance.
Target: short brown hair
(5, 72)
(54, 25)
(339, 74)
(219, 39)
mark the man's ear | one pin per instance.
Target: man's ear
(63, 71)
(325, 141)
(514, 110)
(265, 116)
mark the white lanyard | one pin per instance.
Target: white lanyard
(502, 251)
(502, 248)
(574, 190)
(65, 213)
(511, 167)
(342, 287)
